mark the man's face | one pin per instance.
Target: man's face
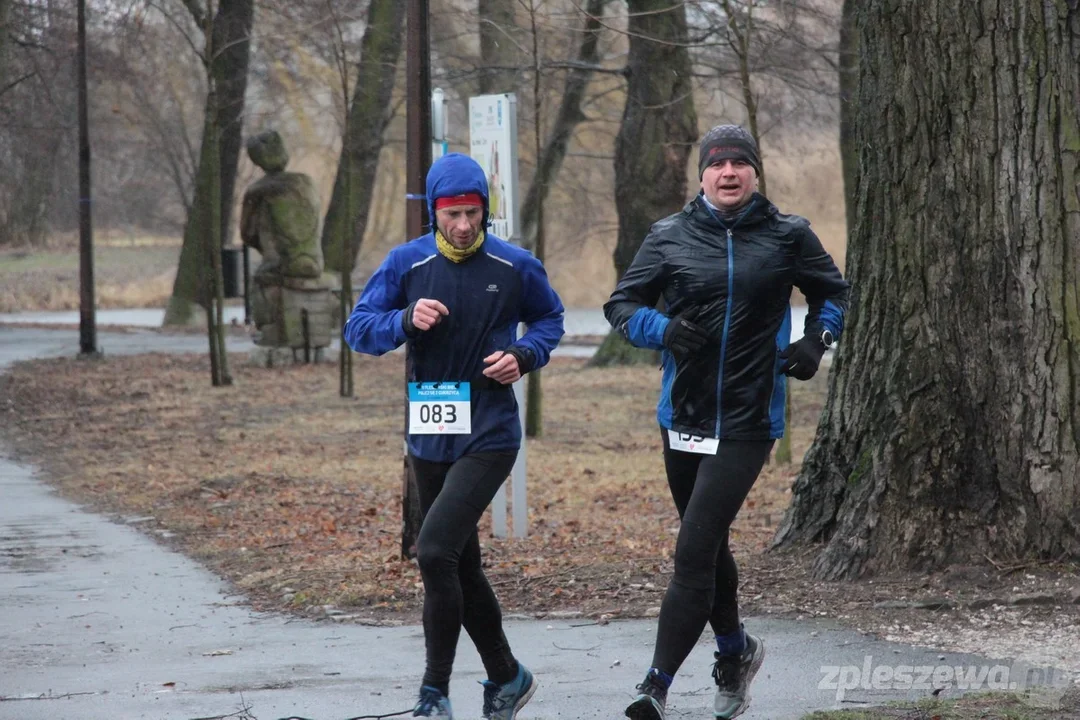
(460, 224)
(728, 184)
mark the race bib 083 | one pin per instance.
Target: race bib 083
(439, 408)
(692, 443)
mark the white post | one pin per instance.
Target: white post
(517, 475)
(438, 124)
(498, 511)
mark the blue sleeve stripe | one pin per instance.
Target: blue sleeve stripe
(832, 317)
(646, 327)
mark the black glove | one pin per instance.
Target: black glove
(684, 337)
(411, 331)
(802, 357)
(525, 358)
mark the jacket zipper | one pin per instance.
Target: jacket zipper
(727, 325)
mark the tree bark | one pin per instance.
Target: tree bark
(228, 67)
(215, 308)
(659, 127)
(498, 47)
(952, 429)
(5, 8)
(210, 229)
(369, 114)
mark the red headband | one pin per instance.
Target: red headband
(467, 199)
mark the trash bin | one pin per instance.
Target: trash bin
(232, 271)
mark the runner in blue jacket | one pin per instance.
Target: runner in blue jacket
(456, 296)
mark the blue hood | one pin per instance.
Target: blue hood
(455, 174)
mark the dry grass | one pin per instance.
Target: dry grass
(1040, 705)
(277, 482)
(132, 270)
(139, 275)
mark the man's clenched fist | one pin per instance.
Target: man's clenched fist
(422, 315)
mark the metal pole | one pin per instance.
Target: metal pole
(418, 116)
(87, 323)
(247, 296)
(417, 162)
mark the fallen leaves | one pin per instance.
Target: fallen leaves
(294, 493)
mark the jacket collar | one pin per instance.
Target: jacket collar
(757, 211)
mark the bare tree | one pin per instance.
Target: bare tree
(777, 61)
(37, 132)
(659, 126)
(368, 115)
(229, 31)
(952, 429)
(210, 286)
(342, 63)
(550, 156)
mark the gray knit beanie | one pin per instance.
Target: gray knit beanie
(728, 142)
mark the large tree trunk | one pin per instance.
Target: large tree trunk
(232, 32)
(369, 114)
(659, 127)
(229, 67)
(952, 429)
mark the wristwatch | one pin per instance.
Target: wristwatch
(827, 338)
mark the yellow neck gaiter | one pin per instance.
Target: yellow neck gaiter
(447, 249)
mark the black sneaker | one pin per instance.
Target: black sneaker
(733, 674)
(649, 704)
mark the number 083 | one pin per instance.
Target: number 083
(438, 414)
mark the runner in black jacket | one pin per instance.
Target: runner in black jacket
(725, 267)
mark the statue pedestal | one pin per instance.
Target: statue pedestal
(298, 313)
(271, 357)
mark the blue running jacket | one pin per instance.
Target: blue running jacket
(487, 295)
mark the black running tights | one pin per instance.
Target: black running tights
(453, 496)
(708, 491)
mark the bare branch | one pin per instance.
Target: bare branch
(198, 14)
(183, 31)
(12, 84)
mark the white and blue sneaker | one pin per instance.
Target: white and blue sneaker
(502, 702)
(433, 704)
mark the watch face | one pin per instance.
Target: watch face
(827, 338)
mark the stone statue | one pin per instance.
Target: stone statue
(291, 302)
